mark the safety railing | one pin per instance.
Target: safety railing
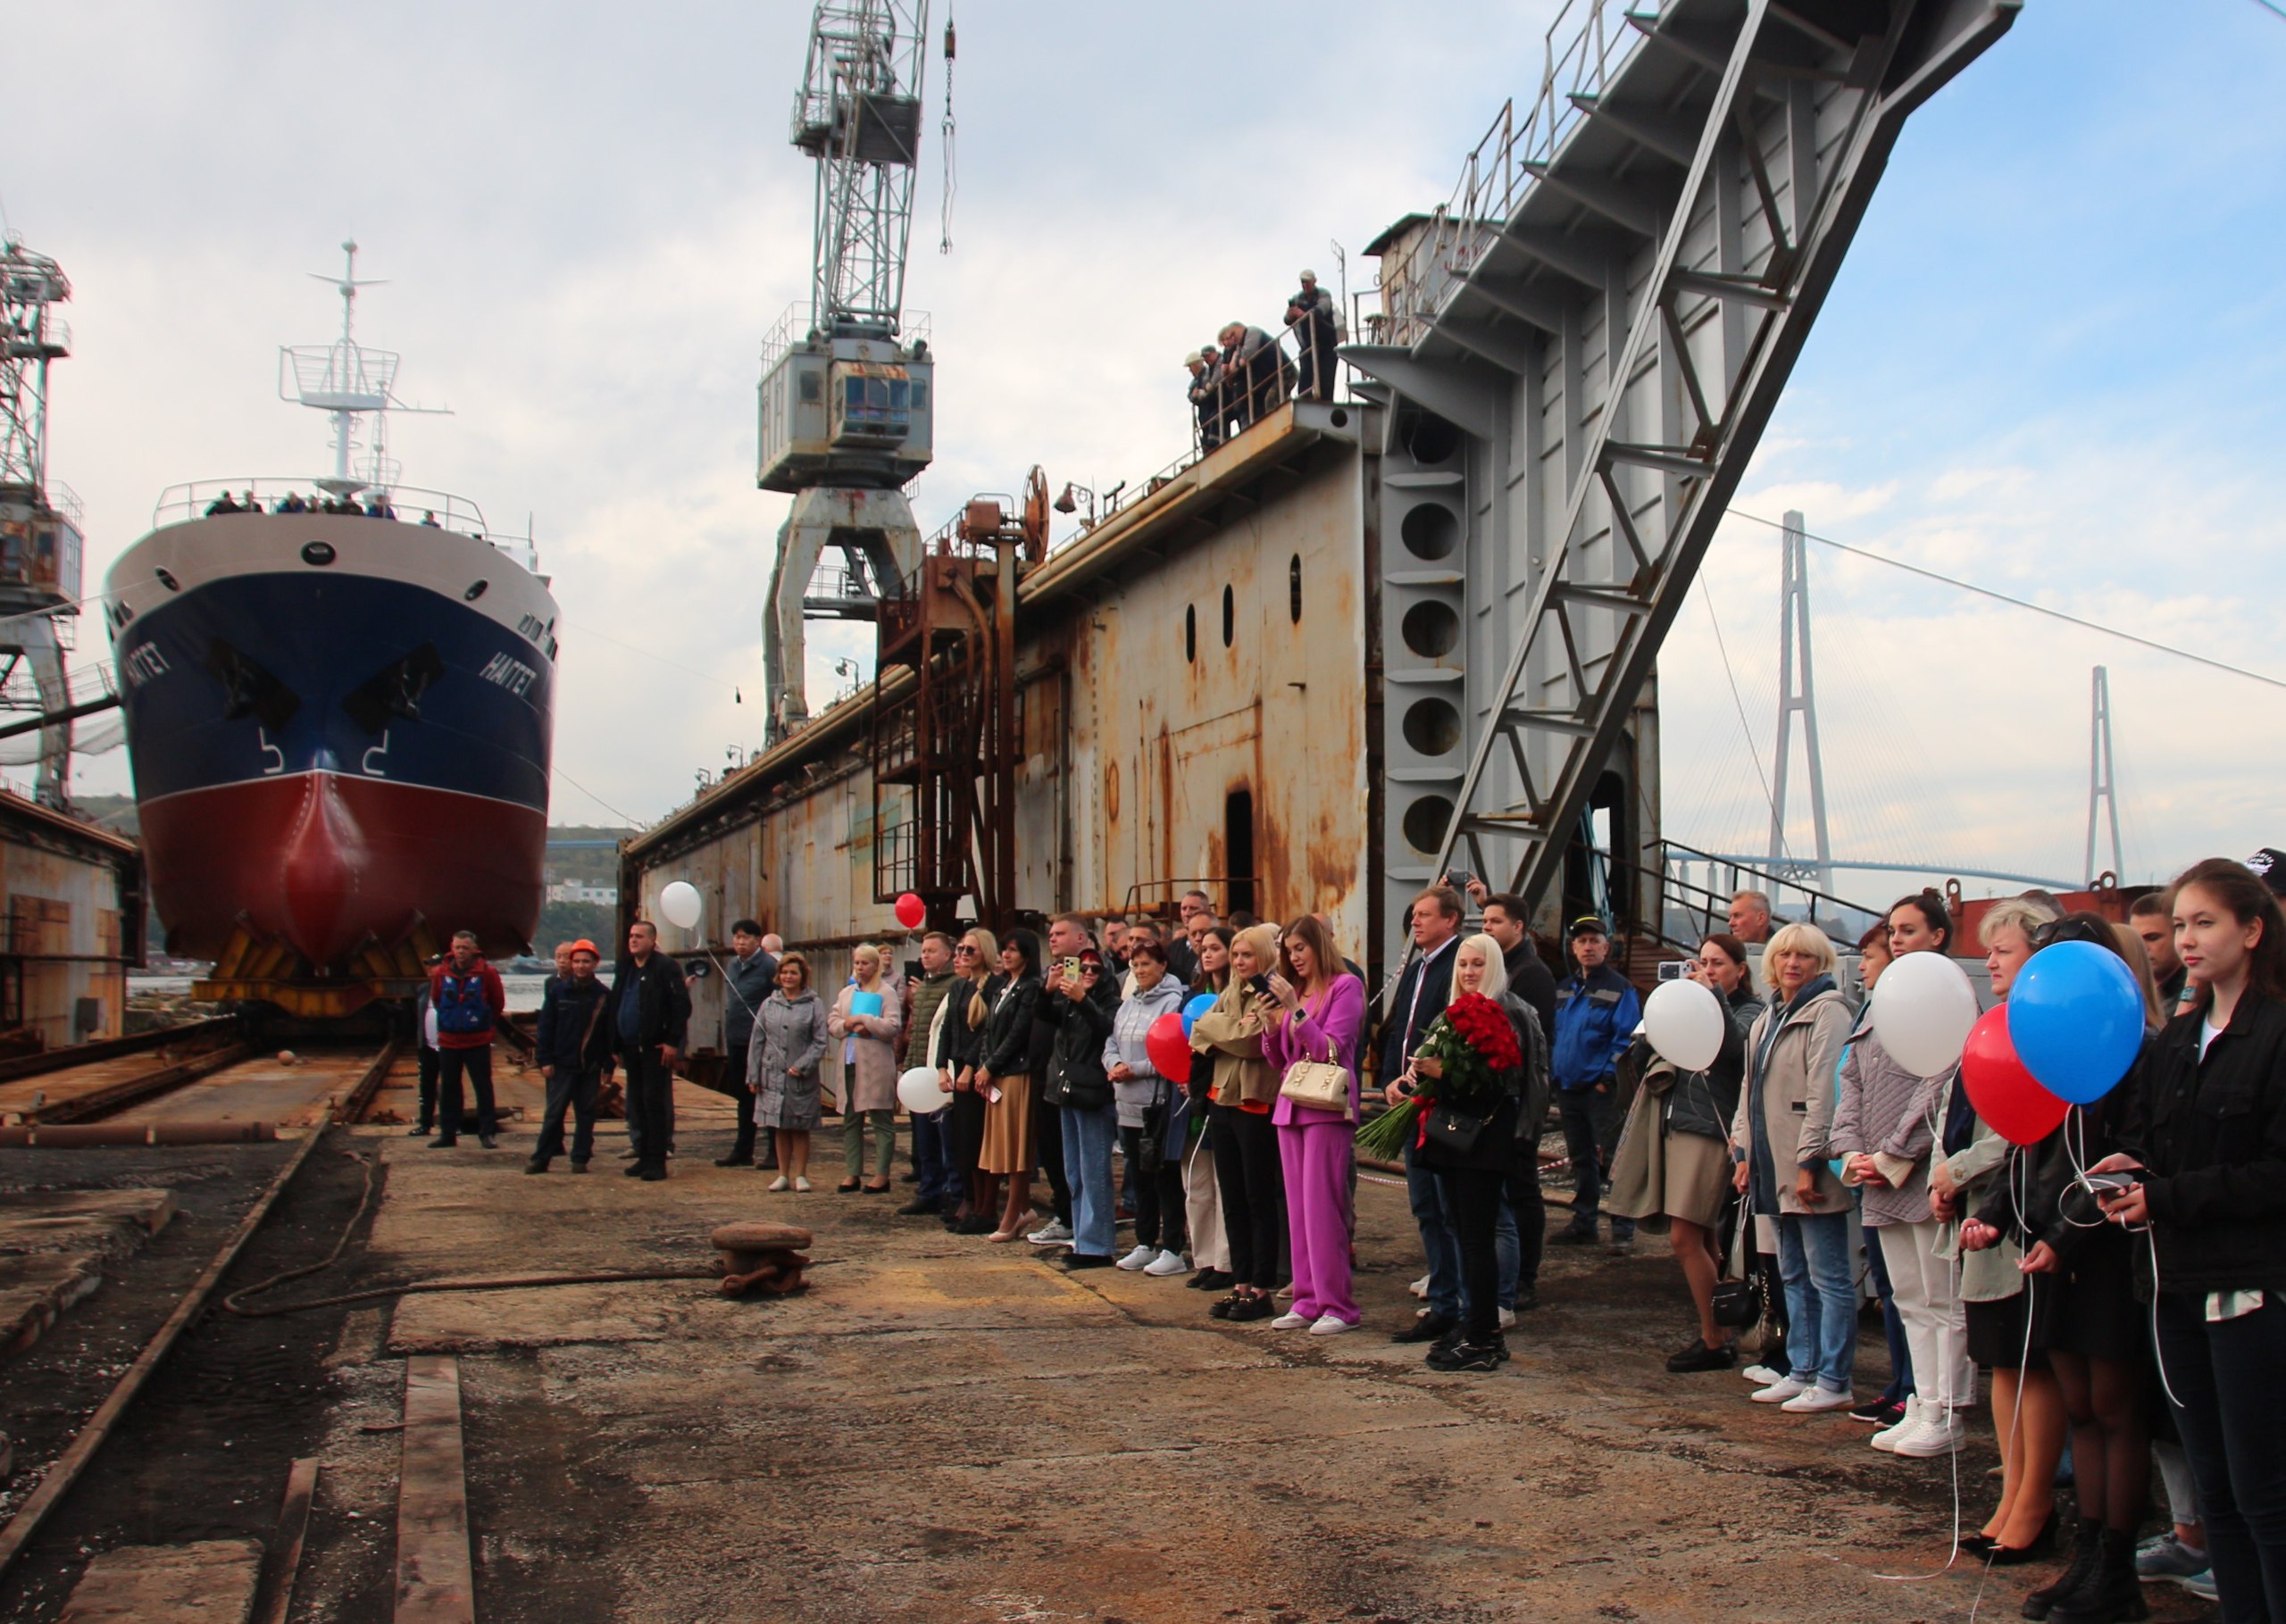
(407, 504)
(1695, 908)
(798, 323)
(1580, 53)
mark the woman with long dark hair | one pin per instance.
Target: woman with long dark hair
(1320, 1017)
(1210, 1246)
(2204, 1134)
(1003, 1077)
(1694, 1120)
(1152, 1119)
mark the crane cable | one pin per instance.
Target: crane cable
(945, 231)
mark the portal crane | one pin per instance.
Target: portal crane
(845, 392)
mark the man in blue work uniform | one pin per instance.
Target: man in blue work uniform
(1597, 1012)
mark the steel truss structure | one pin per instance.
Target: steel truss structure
(858, 113)
(1607, 313)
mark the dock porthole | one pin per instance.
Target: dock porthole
(1190, 633)
(1294, 589)
(1229, 616)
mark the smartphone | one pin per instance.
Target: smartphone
(2107, 1184)
(1069, 969)
(1260, 985)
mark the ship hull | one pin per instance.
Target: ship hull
(341, 730)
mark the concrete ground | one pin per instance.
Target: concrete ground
(946, 1429)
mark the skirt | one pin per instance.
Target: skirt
(1008, 1146)
(1996, 1330)
(2093, 1311)
(1697, 1185)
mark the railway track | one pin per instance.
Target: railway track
(339, 1106)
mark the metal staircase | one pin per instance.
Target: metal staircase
(1581, 351)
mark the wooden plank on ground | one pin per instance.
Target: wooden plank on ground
(211, 1582)
(436, 1582)
(283, 1560)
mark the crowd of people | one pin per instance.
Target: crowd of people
(375, 506)
(2118, 1279)
(1246, 374)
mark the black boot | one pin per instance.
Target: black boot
(2110, 1591)
(2087, 1545)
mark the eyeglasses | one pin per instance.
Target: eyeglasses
(962, 948)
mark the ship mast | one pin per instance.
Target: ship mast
(348, 381)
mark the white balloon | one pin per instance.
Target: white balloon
(1924, 1007)
(679, 903)
(920, 1091)
(1684, 1022)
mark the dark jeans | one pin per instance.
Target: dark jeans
(576, 1092)
(967, 1134)
(1047, 1139)
(2225, 1377)
(1530, 1214)
(429, 1062)
(1251, 1180)
(477, 1065)
(1893, 1323)
(1473, 1201)
(932, 1157)
(1158, 1196)
(1590, 1129)
(650, 1105)
(734, 1077)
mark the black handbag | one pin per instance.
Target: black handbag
(1454, 1132)
(1738, 1303)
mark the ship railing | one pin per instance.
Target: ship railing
(1581, 54)
(798, 324)
(410, 504)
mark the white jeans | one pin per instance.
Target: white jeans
(1202, 1206)
(1936, 1329)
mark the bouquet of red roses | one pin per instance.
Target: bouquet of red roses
(1471, 1042)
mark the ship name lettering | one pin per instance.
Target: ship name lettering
(145, 661)
(510, 673)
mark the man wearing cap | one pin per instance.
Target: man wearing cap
(1252, 369)
(747, 981)
(1597, 1012)
(1317, 329)
(574, 1049)
(1206, 397)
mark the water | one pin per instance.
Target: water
(523, 991)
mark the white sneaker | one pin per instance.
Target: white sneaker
(1057, 1233)
(1761, 1375)
(1142, 1257)
(1780, 1390)
(1938, 1434)
(1289, 1322)
(1420, 1287)
(1167, 1263)
(778, 1186)
(1507, 1318)
(1816, 1401)
(1330, 1326)
(1886, 1440)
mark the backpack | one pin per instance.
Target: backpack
(461, 1008)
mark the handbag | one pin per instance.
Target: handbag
(1737, 1303)
(1452, 1131)
(1321, 1085)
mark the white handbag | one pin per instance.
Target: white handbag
(1321, 1085)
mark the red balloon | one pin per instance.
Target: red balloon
(1168, 1049)
(911, 911)
(2005, 1095)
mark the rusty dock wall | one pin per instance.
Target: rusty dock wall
(71, 902)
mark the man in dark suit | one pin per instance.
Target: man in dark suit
(650, 1016)
(1422, 994)
(747, 981)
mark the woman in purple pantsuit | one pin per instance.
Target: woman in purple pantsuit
(1320, 1017)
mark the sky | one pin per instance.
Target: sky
(2052, 364)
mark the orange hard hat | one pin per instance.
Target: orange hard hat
(584, 946)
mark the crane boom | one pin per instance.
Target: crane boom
(858, 113)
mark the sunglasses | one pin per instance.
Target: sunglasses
(2069, 931)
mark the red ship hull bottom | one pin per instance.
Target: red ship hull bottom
(325, 860)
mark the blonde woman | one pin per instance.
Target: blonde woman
(789, 1040)
(1778, 1139)
(867, 1069)
(1251, 1183)
(974, 961)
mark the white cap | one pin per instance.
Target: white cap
(1309, 275)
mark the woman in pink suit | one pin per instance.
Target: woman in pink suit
(1320, 1017)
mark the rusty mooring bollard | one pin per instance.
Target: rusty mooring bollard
(761, 1256)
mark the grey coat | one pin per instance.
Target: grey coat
(790, 1037)
(1886, 1113)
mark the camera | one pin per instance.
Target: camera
(1677, 969)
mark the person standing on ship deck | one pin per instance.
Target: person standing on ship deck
(1205, 394)
(1317, 324)
(650, 1015)
(468, 998)
(747, 981)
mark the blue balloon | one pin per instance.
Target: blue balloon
(1200, 1003)
(2075, 1016)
